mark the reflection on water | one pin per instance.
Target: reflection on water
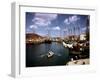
(36, 54)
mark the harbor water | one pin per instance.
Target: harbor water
(36, 54)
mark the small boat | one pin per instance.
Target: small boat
(67, 45)
(64, 44)
(50, 54)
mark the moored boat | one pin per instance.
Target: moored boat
(50, 54)
(67, 45)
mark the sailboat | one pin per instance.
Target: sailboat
(48, 40)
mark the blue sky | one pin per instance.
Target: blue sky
(55, 24)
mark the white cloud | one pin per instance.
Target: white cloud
(71, 19)
(33, 27)
(56, 28)
(29, 30)
(46, 16)
(41, 22)
(66, 21)
(43, 19)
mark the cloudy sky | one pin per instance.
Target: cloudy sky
(55, 24)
